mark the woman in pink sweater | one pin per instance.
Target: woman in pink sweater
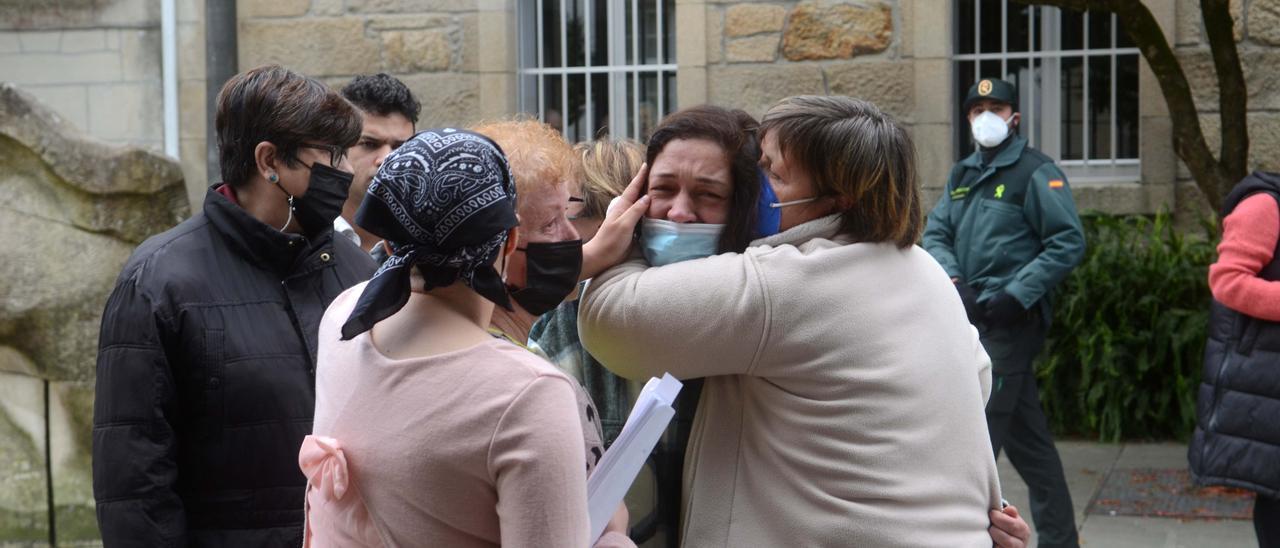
(1237, 437)
(430, 431)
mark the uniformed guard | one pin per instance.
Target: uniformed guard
(1007, 232)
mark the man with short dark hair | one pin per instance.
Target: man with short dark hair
(207, 355)
(1007, 232)
(390, 115)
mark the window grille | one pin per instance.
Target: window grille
(1077, 79)
(593, 68)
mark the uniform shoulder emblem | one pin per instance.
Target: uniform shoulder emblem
(1056, 183)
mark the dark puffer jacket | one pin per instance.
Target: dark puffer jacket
(206, 371)
(1237, 437)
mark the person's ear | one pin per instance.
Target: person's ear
(265, 159)
(1015, 120)
(513, 240)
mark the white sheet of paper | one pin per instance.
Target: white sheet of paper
(620, 465)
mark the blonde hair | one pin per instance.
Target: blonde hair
(607, 167)
(540, 158)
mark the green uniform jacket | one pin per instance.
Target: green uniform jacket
(1009, 226)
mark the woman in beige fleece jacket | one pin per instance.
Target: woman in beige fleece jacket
(844, 394)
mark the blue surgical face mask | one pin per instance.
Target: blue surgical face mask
(665, 242)
(768, 217)
(769, 209)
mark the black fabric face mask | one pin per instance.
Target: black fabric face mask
(322, 202)
(551, 274)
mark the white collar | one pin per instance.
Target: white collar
(823, 227)
(341, 226)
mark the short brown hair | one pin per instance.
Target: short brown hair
(274, 104)
(608, 165)
(858, 155)
(539, 156)
(735, 131)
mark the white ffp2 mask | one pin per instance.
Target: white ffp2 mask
(989, 129)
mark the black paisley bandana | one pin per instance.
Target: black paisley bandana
(444, 201)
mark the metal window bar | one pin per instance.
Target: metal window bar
(618, 68)
(661, 81)
(1004, 39)
(1115, 121)
(1042, 64)
(1040, 82)
(1084, 113)
(1050, 127)
(564, 62)
(621, 58)
(1044, 54)
(615, 116)
(977, 30)
(542, 100)
(635, 60)
(600, 69)
(1119, 162)
(586, 52)
(1032, 77)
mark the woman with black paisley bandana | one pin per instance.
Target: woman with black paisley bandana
(429, 430)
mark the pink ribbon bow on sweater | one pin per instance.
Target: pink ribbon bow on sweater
(325, 465)
(336, 514)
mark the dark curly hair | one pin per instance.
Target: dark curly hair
(735, 131)
(382, 94)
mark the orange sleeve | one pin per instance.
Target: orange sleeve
(1249, 236)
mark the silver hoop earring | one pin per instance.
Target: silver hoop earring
(290, 219)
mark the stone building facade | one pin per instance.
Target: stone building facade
(97, 64)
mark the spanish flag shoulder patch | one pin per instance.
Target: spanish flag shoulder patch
(1056, 183)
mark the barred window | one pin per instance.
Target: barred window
(592, 68)
(1077, 79)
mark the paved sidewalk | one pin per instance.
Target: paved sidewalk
(1087, 465)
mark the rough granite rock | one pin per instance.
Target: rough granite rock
(74, 209)
(828, 30)
(1264, 22)
(749, 19)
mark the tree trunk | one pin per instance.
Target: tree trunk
(1214, 177)
(1233, 96)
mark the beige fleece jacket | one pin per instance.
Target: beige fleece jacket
(844, 394)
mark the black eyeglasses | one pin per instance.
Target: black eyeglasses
(336, 153)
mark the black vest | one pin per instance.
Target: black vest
(1237, 437)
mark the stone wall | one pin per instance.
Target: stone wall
(896, 53)
(1257, 32)
(756, 53)
(74, 210)
(97, 64)
(433, 46)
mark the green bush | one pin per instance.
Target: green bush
(1124, 356)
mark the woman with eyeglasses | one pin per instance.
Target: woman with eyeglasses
(206, 361)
